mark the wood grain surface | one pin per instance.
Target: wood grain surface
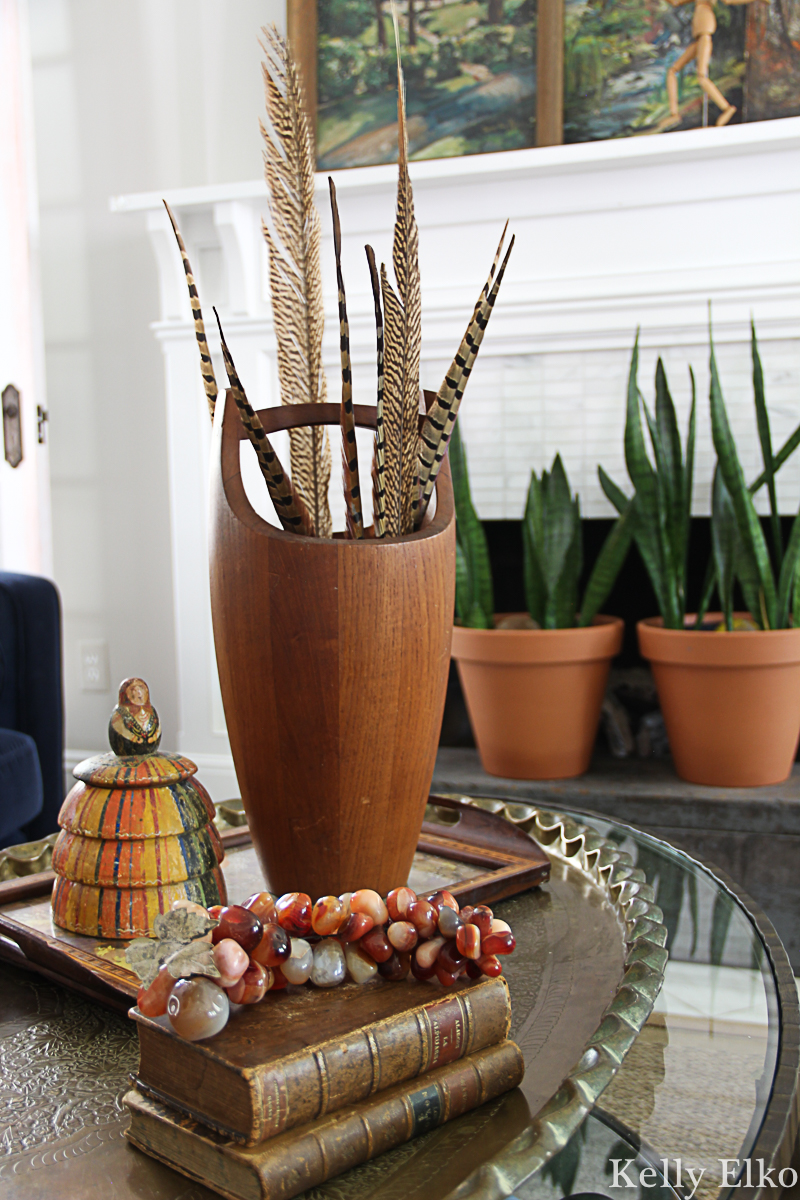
(333, 659)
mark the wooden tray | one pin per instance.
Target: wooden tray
(476, 855)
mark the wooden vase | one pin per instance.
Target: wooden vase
(333, 659)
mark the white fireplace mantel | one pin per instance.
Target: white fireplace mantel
(610, 236)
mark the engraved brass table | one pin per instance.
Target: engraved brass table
(713, 1075)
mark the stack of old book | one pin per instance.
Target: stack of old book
(310, 1083)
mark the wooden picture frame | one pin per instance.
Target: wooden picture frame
(301, 26)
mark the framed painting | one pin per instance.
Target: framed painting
(772, 79)
(470, 68)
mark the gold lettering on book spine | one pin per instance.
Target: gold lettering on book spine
(375, 1059)
(449, 1025)
(270, 1103)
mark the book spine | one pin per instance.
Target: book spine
(306, 1159)
(312, 1083)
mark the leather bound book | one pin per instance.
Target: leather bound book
(305, 1157)
(306, 1051)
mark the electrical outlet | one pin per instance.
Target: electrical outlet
(94, 666)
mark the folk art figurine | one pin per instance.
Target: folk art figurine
(137, 832)
(134, 726)
(704, 24)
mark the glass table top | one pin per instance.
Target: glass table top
(697, 1087)
(690, 1099)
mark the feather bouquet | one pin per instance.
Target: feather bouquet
(409, 447)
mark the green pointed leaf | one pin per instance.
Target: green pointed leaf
(764, 436)
(788, 577)
(562, 606)
(707, 592)
(471, 538)
(613, 494)
(558, 525)
(463, 588)
(688, 477)
(608, 565)
(752, 536)
(786, 451)
(532, 536)
(724, 542)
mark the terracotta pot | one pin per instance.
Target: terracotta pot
(731, 701)
(333, 659)
(534, 695)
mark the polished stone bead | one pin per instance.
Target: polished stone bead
(443, 899)
(402, 935)
(424, 917)
(482, 917)
(253, 986)
(231, 961)
(274, 947)
(369, 902)
(468, 941)
(360, 966)
(294, 913)
(419, 972)
(399, 901)
(427, 952)
(473, 970)
(263, 905)
(500, 927)
(449, 922)
(215, 910)
(356, 925)
(490, 965)
(466, 911)
(241, 925)
(297, 967)
(345, 899)
(152, 1001)
(197, 1008)
(329, 964)
(446, 978)
(279, 980)
(328, 915)
(376, 944)
(395, 968)
(499, 943)
(451, 959)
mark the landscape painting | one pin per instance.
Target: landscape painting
(470, 78)
(616, 57)
(773, 60)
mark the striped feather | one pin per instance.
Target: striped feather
(289, 506)
(294, 269)
(379, 456)
(206, 366)
(403, 338)
(393, 379)
(438, 424)
(352, 489)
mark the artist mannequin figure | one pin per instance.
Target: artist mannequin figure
(704, 24)
(134, 727)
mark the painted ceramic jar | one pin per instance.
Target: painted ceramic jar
(136, 832)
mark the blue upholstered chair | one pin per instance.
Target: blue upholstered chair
(31, 709)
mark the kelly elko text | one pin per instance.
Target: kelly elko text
(734, 1172)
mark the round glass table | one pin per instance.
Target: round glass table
(704, 1105)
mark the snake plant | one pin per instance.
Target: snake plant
(552, 552)
(770, 582)
(660, 510)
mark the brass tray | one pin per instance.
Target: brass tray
(588, 966)
(477, 857)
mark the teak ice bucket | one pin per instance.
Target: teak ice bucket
(333, 659)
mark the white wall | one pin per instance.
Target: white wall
(127, 97)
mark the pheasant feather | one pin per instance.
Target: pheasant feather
(403, 337)
(294, 269)
(352, 489)
(289, 506)
(379, 456)
(438, 424)
(206, 366)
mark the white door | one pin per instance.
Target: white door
(25, 533)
